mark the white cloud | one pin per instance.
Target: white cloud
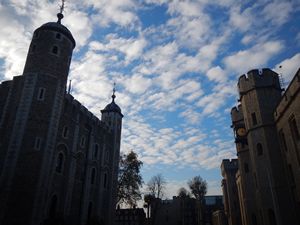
(257, 56)
(240, 20)
(137, 84)
(216, 74)
(288, 67)
(278, 12)
(132, 48)
(114, 11)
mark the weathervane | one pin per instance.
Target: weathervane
(114, 91)
(61, 10)
(62, 6)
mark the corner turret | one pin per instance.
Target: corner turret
(50, 51)
(255, 79)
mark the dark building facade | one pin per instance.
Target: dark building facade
(185, 210)
(229, 169)
(266, 127)
(58, 162)
(135, 216)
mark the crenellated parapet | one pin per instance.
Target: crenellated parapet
(255, 79)
(229, 165)
(237, 114)
(77, 108)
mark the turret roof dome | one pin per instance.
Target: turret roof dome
(58, 27)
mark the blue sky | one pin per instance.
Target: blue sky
(176, 65)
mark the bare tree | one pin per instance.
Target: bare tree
(156, 186)
(198, 187)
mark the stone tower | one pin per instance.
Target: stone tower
(29, 124)
(112, 116)
(260, 92)
(229, 169)
(244, 177)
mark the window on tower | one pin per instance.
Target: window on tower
(259, 149)
(82, 141)
(55, 50)
(96, 149)
(58, 36)
(37, 143)
(105, 181)
(65, 132)
(254, 120)
(93, 176)
(59, 163)
(41, 94)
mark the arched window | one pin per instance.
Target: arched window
(55, 50)
(59, 163)
(58, 36)
(93, 176)
(259, 149)
(105, 181)
(272, 218)
(96, 149)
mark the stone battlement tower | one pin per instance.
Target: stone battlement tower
(260, 92)
(58, 161)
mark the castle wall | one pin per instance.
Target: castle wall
(244, 177)
(287, 117)
(260, 93)
(232, 210)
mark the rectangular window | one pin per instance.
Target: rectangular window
(105, 181)
(254, 120)
(82, 141)
(37, 143)
(65, 132)
(282, 140)
(41, 94)
(292, 178)
(294, 128)
(295, 135)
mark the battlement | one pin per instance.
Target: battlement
(258, 79)
(79, 108)
(229, 165)
(237, 114)
(288, 96)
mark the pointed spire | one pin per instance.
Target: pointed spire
(114, 91)
(60, 15)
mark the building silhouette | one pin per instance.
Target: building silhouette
(229, 188)
(58, 161)
(266, 127)
(185, 210)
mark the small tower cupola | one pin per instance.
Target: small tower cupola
(112, 114)
(51, 49)
(112, 107)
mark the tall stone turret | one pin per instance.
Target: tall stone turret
(29, 125)
(244, 177)
(260, 93)
(50, 51)
(229, 169)
(112, 116)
